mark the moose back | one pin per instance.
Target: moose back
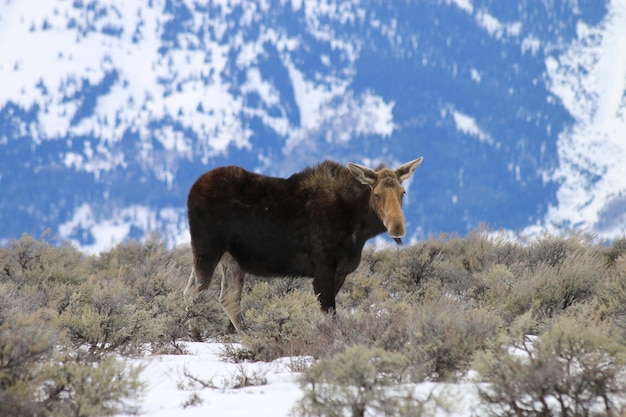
(314, 223)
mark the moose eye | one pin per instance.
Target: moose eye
(377, 196)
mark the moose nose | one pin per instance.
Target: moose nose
(395, 228)
(396, 232)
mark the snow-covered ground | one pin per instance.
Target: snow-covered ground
(170, 390)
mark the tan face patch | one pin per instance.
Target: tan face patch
(387, 203)
(387, 192)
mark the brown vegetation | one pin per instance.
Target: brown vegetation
(439, 307)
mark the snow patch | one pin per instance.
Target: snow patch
(531, 44)
(168, 388)
(467, 124)
(475, 75)
(495, 28)
(103, 232)
(465, 5)
(589, 77)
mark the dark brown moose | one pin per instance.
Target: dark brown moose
(313, 224)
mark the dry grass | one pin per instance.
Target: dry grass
(439, 304)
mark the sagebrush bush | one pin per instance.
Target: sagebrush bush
(364, 287)
(116, 301)
(38, 272)
(53, 303)
(280, 323)
(382, 325)
(83, 389)
(573, 368)
(103, 315)
(615, 251)
(30, 261)
(356, 382)
(39, 377)
(553, 250)
(496, 283)
(26, 344)
(444, 335)
(611, 297)
(549, 289)
(155, 277)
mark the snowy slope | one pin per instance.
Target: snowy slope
(109, 110)
(592, 151)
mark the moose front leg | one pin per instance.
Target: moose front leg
(324, 288)
(341, 278)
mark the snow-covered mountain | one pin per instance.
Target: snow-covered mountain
(110, 109)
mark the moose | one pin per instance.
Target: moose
(311, 224)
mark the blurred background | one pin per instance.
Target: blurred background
(109, 110)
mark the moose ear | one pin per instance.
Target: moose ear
(363, 174)
(406, 170)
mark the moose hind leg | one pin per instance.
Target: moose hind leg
(193, 280)
(204, 264)
(232, 285)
